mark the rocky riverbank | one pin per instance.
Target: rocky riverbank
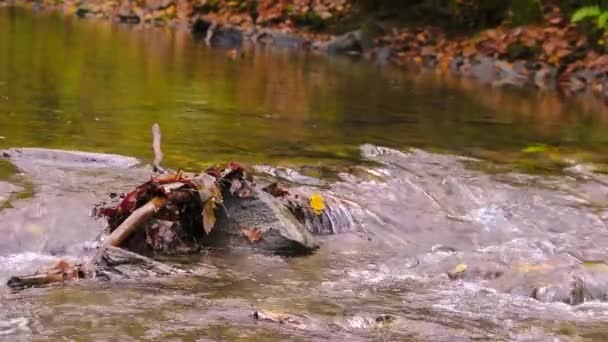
(552, 54)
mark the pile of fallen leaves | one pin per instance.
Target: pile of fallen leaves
(188, 212)
(280, 14)
(553, 52)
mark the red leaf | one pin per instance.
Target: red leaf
(253, 235)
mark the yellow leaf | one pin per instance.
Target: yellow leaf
(599, 266)
(460, 268)
(458, 271)
(317, 203)
(524, 267)
(209, 216)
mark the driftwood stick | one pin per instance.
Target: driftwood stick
(60, 273)
(36, 280)
(158, 153)
(135, 221)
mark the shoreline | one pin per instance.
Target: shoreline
(497, 57)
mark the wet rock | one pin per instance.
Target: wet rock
(576, 84)
(385, 319)
(511, 74)
(350, 42)
(484, 70)
(281, 232)
(279, 40)
(82, 12)
(545, 78)
(290, 175)
(217, 35)
(117, 263)
(200, 27)
(279, 318)
(128, 18)
(71, 159)
(227, 37)
(551, 293)
(111, 263)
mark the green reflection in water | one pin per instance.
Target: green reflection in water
(87, 85)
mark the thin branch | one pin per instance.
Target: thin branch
(158, 153)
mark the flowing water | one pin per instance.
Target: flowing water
(522, 210)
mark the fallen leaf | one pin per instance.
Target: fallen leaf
(209, 216)
(253, 235)
(206, 186)
(317, 203)
(458, 271)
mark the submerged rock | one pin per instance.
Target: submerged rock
(350, 42)
(113, 262)
(216, 34)
(281, 232)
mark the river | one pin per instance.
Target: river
(444, 171)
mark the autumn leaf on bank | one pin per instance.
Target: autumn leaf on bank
(253, 235)
(209, 216)
(317, 203)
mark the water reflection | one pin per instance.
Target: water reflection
(91, 85)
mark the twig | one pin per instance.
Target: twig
(158, 153)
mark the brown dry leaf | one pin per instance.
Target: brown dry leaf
(561, 53)
(206, 186)
(516, 32)
(421, 37)
(549, 47)
(597, 87)
(428, 51)
(528, 41)
(492, 34)
(549, 31)
(67, 271)
(469, 51)
(209, 216)
(253, 235)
